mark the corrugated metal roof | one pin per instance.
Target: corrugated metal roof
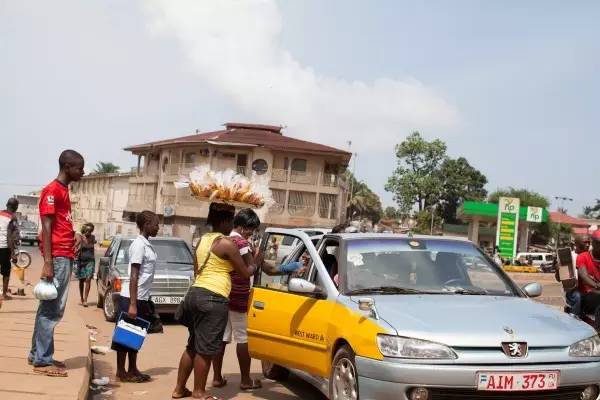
(559, 217)
(268, 136)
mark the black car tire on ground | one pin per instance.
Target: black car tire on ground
(100, 299)
(274, 372)
(109, 306)
(344, 359)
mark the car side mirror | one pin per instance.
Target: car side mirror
(302, 286)
(533, 289)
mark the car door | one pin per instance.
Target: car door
(104, 265)
(291, 329)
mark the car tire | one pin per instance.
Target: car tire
(274, 372)
(109, 307)
(99, 298)
(343, 380)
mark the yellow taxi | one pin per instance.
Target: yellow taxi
(382, 316)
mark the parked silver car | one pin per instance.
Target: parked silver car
(379, 316)
(173, 276)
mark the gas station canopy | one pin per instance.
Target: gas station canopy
(488, 212)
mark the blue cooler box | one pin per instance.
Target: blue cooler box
(130, 334)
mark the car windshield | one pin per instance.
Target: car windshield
(168, 252)
(28, 225)
(422, 266)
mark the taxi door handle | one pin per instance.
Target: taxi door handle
(259, 305)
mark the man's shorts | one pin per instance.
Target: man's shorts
(237, 328)
(5, 265)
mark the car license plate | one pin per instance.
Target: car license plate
(517, 381)
(167, 299)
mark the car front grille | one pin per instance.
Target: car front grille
(170, 286)
(565, 393)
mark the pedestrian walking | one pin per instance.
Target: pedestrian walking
(135, 297)
(58, 249)
(244, 224)
(205, 307)
(8, 240)
(86, 262)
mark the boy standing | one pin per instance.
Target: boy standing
(8, 237)
(58, 249)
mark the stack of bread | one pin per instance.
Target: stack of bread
(227, 187)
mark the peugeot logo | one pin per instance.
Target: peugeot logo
(508, 330)
(515, 349)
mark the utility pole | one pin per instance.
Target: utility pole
(432, 214)
(561, 200)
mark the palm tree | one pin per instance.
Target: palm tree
(106, 168)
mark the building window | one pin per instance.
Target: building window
(302, 203)
(260, 166)
(189, 158)
(279, 198)
(328, 206)
(299, 165)
(227, 155)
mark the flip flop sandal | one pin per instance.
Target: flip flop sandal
(221, 384)
(58, 364)
(256, 384)
(51, 371)
(211, 398)
(186, 393)
(133, 379)
(145, 377)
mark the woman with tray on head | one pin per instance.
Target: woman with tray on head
(205, 307)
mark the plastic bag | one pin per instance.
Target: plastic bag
(45, 290)
(227, 186)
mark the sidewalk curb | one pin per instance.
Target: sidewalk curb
(84, 391)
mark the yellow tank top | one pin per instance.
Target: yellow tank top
(215, 275)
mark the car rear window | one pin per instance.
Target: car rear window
(167, 251)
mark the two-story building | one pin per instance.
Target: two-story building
(305, 177)
(101, 200)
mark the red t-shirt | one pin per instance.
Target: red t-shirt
(585, 260)
(240, 287)
(55, 201)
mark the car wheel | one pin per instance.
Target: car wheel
(109, 307)
(343, 382)
(99, 298)
(274, 372)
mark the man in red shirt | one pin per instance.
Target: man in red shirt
(588, 267)
(58, 248)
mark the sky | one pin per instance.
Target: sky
(513, 86)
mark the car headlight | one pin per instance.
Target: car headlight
(589, 347)
(403, 347)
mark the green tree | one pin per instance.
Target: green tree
(106, 168)
(363, 202)
(527, 197)
(391, 213)
(423, 222)
(415, 180)
(460, 182)
(592, 211)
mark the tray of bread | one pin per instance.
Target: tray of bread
(227, 187)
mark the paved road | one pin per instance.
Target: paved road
(160, 357)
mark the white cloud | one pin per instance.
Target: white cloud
(234, 46)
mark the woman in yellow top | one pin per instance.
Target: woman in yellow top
(205, 307)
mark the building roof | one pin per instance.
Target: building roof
(247, 135)
(566, 219)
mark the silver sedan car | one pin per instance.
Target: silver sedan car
(380, 317)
